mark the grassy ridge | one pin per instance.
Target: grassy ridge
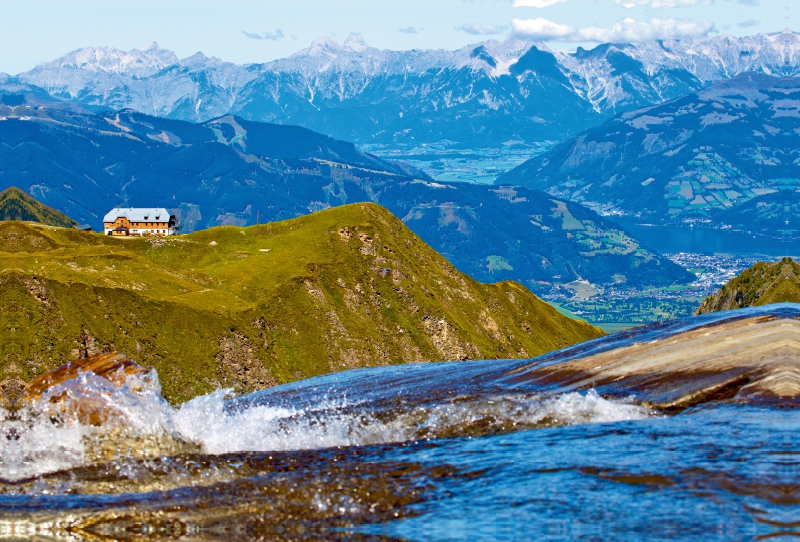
(252, 307)
(17, 205)
(763, 284)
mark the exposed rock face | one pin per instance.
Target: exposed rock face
(88, 346)
(762, 284)
(446, 340)
(10, 390)
(754, 354)
(239, 367)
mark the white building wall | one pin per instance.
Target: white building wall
(145, 231)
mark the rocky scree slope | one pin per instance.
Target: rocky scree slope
(726, 156)
(762, 284)
(234, 172)
(486, 94)
(249, 308)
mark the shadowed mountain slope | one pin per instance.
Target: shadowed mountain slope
(762, 284)
(251, 307)
(17, 205)
(727, 155)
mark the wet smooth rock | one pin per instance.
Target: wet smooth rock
(87, 408)
(746, 355)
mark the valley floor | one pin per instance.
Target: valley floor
(617, 308)
(451, 165)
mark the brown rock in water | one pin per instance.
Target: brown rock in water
(88, 409)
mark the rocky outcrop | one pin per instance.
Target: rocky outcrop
(239, 367)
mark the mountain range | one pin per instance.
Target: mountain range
(493, 93)
(230, 171)
(725, 156)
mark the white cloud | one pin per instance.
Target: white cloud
(625, 31)
(477, 29)
(749, 2)
(274, 36)
(748, 23)
(408, 30)
(540, 29)
(534, 3)
(663, 3)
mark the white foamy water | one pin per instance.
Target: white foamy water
(34, 445)
(264, 428)
(137, 422)
(56, 432)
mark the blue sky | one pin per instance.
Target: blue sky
(245, 31)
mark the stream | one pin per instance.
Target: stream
(437, 451)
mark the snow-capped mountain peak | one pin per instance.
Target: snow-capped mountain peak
(355, 42)
(319, 47)
(140, 62)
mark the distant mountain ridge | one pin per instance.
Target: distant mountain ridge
(138, 63)
(726, 156)
(230, 171)
(489, 93)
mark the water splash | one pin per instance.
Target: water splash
(86, 420)
(89, 420)
(207, 422)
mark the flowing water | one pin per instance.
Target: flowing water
(447, 451)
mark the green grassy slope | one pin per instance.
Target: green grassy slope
(17, 205)
(252, 307)
(762, 284)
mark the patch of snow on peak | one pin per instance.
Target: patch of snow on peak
(320, 46)
(355, 42)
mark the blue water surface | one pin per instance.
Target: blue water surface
(719, 473)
